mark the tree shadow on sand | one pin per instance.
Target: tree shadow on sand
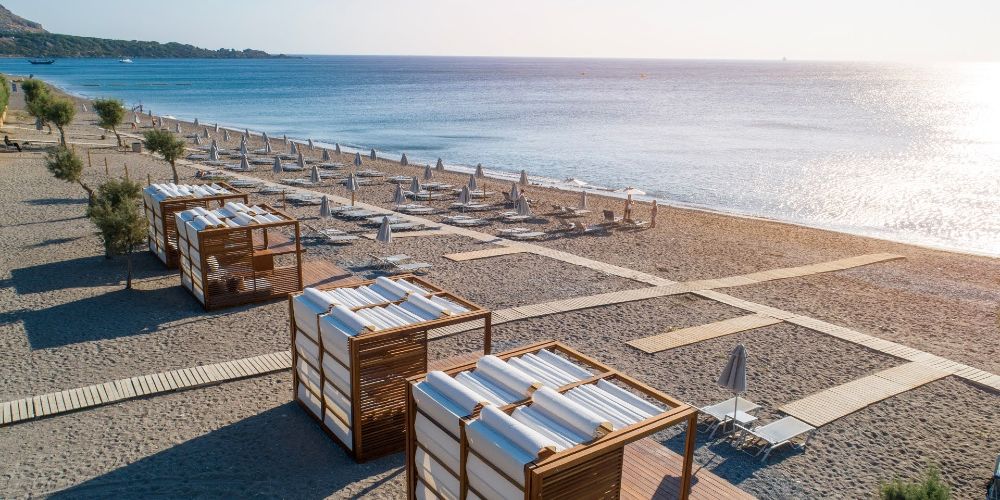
(56, 201)
(83, 272)
(280, 453)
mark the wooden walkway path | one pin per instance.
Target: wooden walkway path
(482, 254)
(793, 272)
(826, 406)
(651, 470)
(685, 336)
(55, 403)
(410, 234)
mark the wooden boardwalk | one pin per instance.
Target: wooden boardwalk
(55, 403)
(482, 254)
(826, 406)
(652, 470)
(685, 336)
(793, 272)
(410, 234)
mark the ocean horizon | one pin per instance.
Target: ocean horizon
(905, 152)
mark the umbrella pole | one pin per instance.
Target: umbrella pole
(352, 198)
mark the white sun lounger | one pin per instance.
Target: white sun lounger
(530, 235)
(779, 433)
(718, 411)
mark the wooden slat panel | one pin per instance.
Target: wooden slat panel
(685, 336)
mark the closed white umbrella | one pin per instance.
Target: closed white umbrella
(149, 112)
(277, 165)
(336, 148)
(225, 135)
(428, 173)
(357, 159)
(398, 197)
(204, 132)
(267, 147)
(244, 164)
(301, 161)
(472, 183)
(384, 235)
(479, 171)
(216, 128)
(264, 137)
(215, 145)
(311, 145)
(514, 192)
(197, 140)
(246, 133)
(314, 175)
(403, 161)
(243, 149)
(734, 375)
(292, 149)
(372, 155)
(415, 185)
(440, 165)
(195, 122)
(463, 196)
(324, 206)
(524, 178)
(284, 138)
(326, 154)
(177, 127)
(583, 199)
(213, 152)
(352, 185)
(522, 206)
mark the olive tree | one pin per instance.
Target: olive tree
(110, 113)
(119, 220)
(168, 146)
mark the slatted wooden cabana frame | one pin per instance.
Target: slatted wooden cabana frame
(381, 363)
(237, 265)
(587, 471)
(163, 228)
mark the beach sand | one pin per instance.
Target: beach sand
(66, 322)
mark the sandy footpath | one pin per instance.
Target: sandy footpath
(65, 322)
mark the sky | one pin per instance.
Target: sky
(851, 30)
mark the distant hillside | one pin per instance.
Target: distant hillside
(20, 37)
(13, 23)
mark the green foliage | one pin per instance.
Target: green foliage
(65, 165)
(4, 93)
(119, 219)
(110, 113)
(33, 89)
(60, 112)
(54, 45)
(931, 487)
(168, 146)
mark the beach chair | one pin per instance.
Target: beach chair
(777, 434)
(717, 412)
(389, 262)
(411, 268)
(337, 237)
(635, 224)
(530, 235)
(993, 486)
(610, 219)
(512, 230)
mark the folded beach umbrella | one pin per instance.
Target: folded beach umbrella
(336, 148)
(264, 137)
(39, 124)
(352, 185)
(324, 206)
(195, 122)
(583, 199)
(311, 144)
(149, 113)
(326, 154)
(314, 175)
(284, 138)
(197, 139)
(514, 192)
(246, 133)
(244, 164)
(384, 235)
(204, 132)
(398, 197)
(225, 135)
(215, 144)
(415, 185)
(428, 173)
(524, 178)
(463, 196)
(301, 161)
(472, 183)
(277, 165)
(177, 127)
(267, 147)
(372, 155)
(522, 206)
(213, 152)
(357, 159)
(734, 376)
(243, 149)
(216, 127)
(440, 165)
(403, 161)
(292, 149)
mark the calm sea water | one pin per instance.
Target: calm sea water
(904, 152)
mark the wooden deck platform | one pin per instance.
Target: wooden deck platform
(321, 272)
(826, 406)
(652, 470)
(685, 336)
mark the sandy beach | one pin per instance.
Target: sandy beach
(65, 321)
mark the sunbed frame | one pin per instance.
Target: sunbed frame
(244, 253)
(381, 363)
(587, 471)
(162, 228)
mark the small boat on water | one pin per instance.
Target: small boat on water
(125, 60)
(41, 61)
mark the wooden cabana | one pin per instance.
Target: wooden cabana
(160, 206)
(354, 346)
(443, 460)
(231, 263)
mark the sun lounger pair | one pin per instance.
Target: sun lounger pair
(514, 217)
(416, 209)
(470, 207)
(397, 264)
(338, 237)
(718, 413)
(465, 221)
(562, 211)
(530, 235)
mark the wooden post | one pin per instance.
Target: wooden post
(126, 170)
(488, 334)
(90, 162)
(689, 445)
(107, 172)
(149, 180)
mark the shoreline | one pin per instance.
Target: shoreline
(549, 182)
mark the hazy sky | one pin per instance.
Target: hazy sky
(798, 29)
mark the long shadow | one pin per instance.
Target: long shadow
(280, 453)
(46, 221)
(725, 460)
(55, 241)
(81, 272)
(56, 201)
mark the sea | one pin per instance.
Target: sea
(905, 152)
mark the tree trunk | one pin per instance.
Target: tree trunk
(173, 166)
(128, 272)
(90, 193)
(117, 136)
(62, 136)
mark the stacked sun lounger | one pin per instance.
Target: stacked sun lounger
(162, 201)
(353, 348)
(543, 421)
(227, 256)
